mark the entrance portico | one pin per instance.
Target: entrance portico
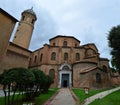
(65, 76)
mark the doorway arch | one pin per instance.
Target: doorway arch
(65, 76)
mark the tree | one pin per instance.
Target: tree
(114, 43)
(16, 78)
(47, 84)
(39, 80)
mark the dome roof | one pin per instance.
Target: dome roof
(30, 11)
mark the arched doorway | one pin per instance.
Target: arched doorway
(65, 76)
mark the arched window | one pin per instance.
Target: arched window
(35, 59)
(53, 56)
(54, 44)
(65, 43)
(23, 17)
(65, 56)
(32, 21)
(98, 78)
(52, 73)
(41, 56)
(77, 56)
(104, 69)
(75, 45)
(90, 52)
(65, 68)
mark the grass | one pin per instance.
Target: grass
(44, 97)
(38, 100)
(16, 97)
(1, 100)
(111, 99)
(80, 93)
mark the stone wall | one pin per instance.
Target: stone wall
(15, 57)
(7, 23)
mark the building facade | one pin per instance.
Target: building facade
(16, 53)
(7, 23)
(72, 64)
(68, 62)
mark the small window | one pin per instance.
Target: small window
(23, 17)
(53, 56)
(53, 44)
(41, 56)
(77, 56)
(65, 56)
(65, 43)
(35, 59)
(75, 45)
(104, 69)
(52, 73)
(32, 21)
(98, 78)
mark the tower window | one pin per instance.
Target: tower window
(77, 56)
(65, 56)
(41, 56)
(23, 17)
(53, 56)
(98, 78)
(65, 43)
(32, 21)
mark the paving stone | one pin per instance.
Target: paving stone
(64, 97)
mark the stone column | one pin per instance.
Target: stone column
(60, 76)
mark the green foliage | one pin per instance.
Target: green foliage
(24, 81)
(114, 43)
(39, 80)
(111, 99)
(42, 81)
(16, 79)
(113, 69)
(47, 83)
(39, 100)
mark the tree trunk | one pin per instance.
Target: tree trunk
(12, 101)
(8, 94)
(4, 87)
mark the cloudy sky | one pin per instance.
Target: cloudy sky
(88, 20)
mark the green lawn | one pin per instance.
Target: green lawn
(80, 93)
(111, 99)
(44, 97)
(1, 101)
(38, 100)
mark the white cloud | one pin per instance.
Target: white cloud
(87, 20)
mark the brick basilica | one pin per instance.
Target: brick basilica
(68, 62)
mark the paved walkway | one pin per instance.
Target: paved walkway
(64, 97)
(1, 93)
(100, 95)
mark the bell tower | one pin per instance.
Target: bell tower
(25, 28)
